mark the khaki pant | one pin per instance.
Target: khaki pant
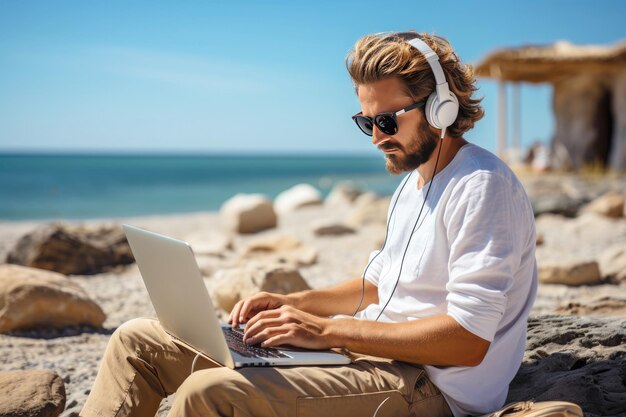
(142, 365)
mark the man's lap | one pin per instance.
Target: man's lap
(314, 390)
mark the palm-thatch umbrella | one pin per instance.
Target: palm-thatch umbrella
(589, 95)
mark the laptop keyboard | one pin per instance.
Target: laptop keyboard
(234, 339)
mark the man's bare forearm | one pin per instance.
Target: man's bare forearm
(340, 299)
(438, 340)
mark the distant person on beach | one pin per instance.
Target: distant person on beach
(436, 324)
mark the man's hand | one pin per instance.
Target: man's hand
(287, 325)
(249, 307)
(276, 319)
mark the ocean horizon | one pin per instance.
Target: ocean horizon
(78, 186)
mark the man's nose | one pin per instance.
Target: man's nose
(378, 137)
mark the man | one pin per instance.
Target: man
(445, 301)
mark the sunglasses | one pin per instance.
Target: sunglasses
(385, 122)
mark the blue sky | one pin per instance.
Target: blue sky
(243, 76)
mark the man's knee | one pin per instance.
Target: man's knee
(133, 334)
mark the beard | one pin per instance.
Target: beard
(414, 153)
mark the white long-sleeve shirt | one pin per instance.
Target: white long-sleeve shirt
(472, 257)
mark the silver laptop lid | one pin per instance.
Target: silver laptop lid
(179, 296)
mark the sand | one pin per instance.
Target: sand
(75, 353)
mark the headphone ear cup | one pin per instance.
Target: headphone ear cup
(440, 115)
(431, 103)
(448, 111)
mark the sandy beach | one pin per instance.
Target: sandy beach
(74, 353)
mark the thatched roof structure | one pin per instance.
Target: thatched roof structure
(550, 63)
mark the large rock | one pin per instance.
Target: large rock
(32, 297)
(210, 245)
(368, 209)
(78, 250)
(281, 249)
(342, 195)
(610, 204)
(580, 239)
(562, 195)
(556, 204)
(232, 285)
(301, 195)
(613, 262)
(33, 393)
(570, 273)
(248, 213)
(576, 359)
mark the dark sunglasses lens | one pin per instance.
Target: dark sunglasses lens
(365, 124)
(387, 125)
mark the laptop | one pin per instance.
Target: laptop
(185, 311)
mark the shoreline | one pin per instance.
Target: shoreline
(8, 222)
(530, 179)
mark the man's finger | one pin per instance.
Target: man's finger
(230, 315)
(262, 315)
(244, 312)
(266, 334)
(261, 324)
(284, 338)
(234, 314)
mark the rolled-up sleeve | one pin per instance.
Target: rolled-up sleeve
(483, 255)
(374, 267)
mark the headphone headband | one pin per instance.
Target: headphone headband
(432, 58)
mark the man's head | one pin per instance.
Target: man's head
(389, 75)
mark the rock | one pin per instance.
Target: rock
(78, 250)
(281, 249)
(556, 204)
(613, 262)
(232, 285)
(555, 195)
(33, 393)
(576, 359)
(368, 209)
(610, 204)
(248, 213)
(583, 238)
(213, 245)
(570, 273)
(342, 195)
(210, 264)
(32, 297)
(301, 195)
(332, 229)
(604, 306)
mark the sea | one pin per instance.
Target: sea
(80, 186)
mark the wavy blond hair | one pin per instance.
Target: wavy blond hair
(381, 56)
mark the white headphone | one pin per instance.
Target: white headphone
(442, 106)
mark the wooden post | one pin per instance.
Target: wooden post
(502, 120)
(517, 115)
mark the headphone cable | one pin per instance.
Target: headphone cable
(406, 249)
(383, 247)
